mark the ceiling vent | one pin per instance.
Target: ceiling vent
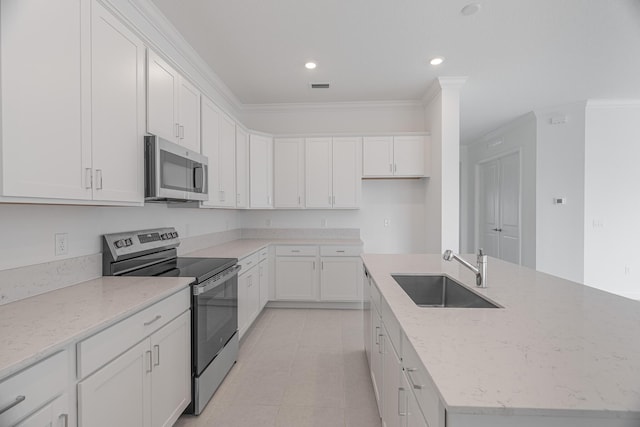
(320, 85)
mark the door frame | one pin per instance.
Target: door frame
(476, 213)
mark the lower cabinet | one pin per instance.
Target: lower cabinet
(54, 414)
(147, 386)
(248, 298)
(263, 273)
(340, 279)
(296, 278)
(376, 365)
(393, 394)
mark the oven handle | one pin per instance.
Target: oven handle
(220, 279)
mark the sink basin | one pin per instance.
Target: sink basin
(440, 291)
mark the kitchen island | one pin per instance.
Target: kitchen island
(557, 353)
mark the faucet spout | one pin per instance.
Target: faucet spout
(480, 271)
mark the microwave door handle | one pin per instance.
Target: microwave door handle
(198, 178)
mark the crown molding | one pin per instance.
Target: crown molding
(612, 103)
(325, 106)
(440, 83)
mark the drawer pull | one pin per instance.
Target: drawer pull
(12, 404)
(340, 252)
(295, 250)
(402, 413)
(413, 383)
(155, 319)
(156, 350)
(150, 361)
(65, 418)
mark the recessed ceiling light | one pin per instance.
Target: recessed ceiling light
(436, 61)
(310, 65)
(470, 9)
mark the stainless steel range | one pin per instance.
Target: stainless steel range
(214, 300)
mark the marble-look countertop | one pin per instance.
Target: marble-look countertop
(36, 327)
(557, 347)
(243, 247)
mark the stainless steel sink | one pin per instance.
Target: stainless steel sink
(440, 291)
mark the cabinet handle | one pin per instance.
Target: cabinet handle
(298, 200)
(400, 412)
(181, 132)
(156, 350)
(395, 167)
(98, 179)
(88, 178)
(334, 200)
(497, 229)
(295, 250)
(329, 198)
(17, 400)
(269, 200)
(377, 335)
(155, 319)
(321, 265)
(390, 167)
(381, 345)
(65, 418)
(340, 252)
(314, 265)
(177, 130)
(150, 361)
(413, 383)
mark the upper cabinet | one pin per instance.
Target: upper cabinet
(396, 156)
(219, 145)
(242, 168)
(260, 171)
(75, 131)
(288, 171)
(173, 104)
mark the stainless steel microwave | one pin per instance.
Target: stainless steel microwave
(172, 172)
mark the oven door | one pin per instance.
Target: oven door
(215, 316)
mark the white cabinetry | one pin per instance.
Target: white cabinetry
(147, 384)
(296, 273)
(53, 414)
(173, 104)
(340, 273)
(242, 168)
(219, 145)
(248, 298)
(289, 172)
(263, 273)
(332, 172)
(396, 156)
(261, 171)
(75, 131)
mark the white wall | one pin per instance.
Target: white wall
(519, 135)
(560, 173)
(612, 197)
(400, 201)
(27, 231)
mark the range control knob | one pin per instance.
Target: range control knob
(174, 234)
(128, 242)
(163, 236)
(119, 243)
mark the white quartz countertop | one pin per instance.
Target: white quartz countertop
(556, 346)
(36, 327)
(243, 247)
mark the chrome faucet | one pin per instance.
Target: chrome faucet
(480, 271)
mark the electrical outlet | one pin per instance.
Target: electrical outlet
(62, 244)
(387, 222)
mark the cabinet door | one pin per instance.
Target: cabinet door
(119, 394)
(408, 155)
(347, 172)
(242, 168)
(413, 414)
(366, 316)
(376, 356)
(227, 162)
(377, 156)
(53, 414)
(392, 394)
(253, 295)
(171, 375)
(117, 109)
(340, 279)
(46, 147)
(318, 176)
(210, 144)
(264, 282)
(260, 171)
(162, 98)
(243, 301)
(288, 172)
(296, 278)
(189, 115)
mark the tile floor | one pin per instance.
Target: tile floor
(296, 368)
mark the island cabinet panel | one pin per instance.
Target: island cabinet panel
(366, 313)
(413, 414)
(377, 352)
(394, 396)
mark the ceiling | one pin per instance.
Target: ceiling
(518, 55)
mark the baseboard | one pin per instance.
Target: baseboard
(346, 305)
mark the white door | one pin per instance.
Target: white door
(296, 278)
(499, 207)
(162, 98)
(227, 163)
(408, 155)
(53, 414)
(347, 172)
(340, 279)
(46, 147)
(260, 171)
(377, 156)
(288, 172)
(210, 137)
(171, 375)
(318, 173)
(189, 115)
(242, 168)
(264, 282)
(101, 400)
(117, 109)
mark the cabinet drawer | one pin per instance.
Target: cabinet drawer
(264, 253)
(38, 384)
(340, 250)
(249, 261)
(392, 325)
(107, 344)
(296, 250)
(422, 385)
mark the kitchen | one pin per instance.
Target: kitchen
(390, 218)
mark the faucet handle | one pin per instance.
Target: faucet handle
(480, 252)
